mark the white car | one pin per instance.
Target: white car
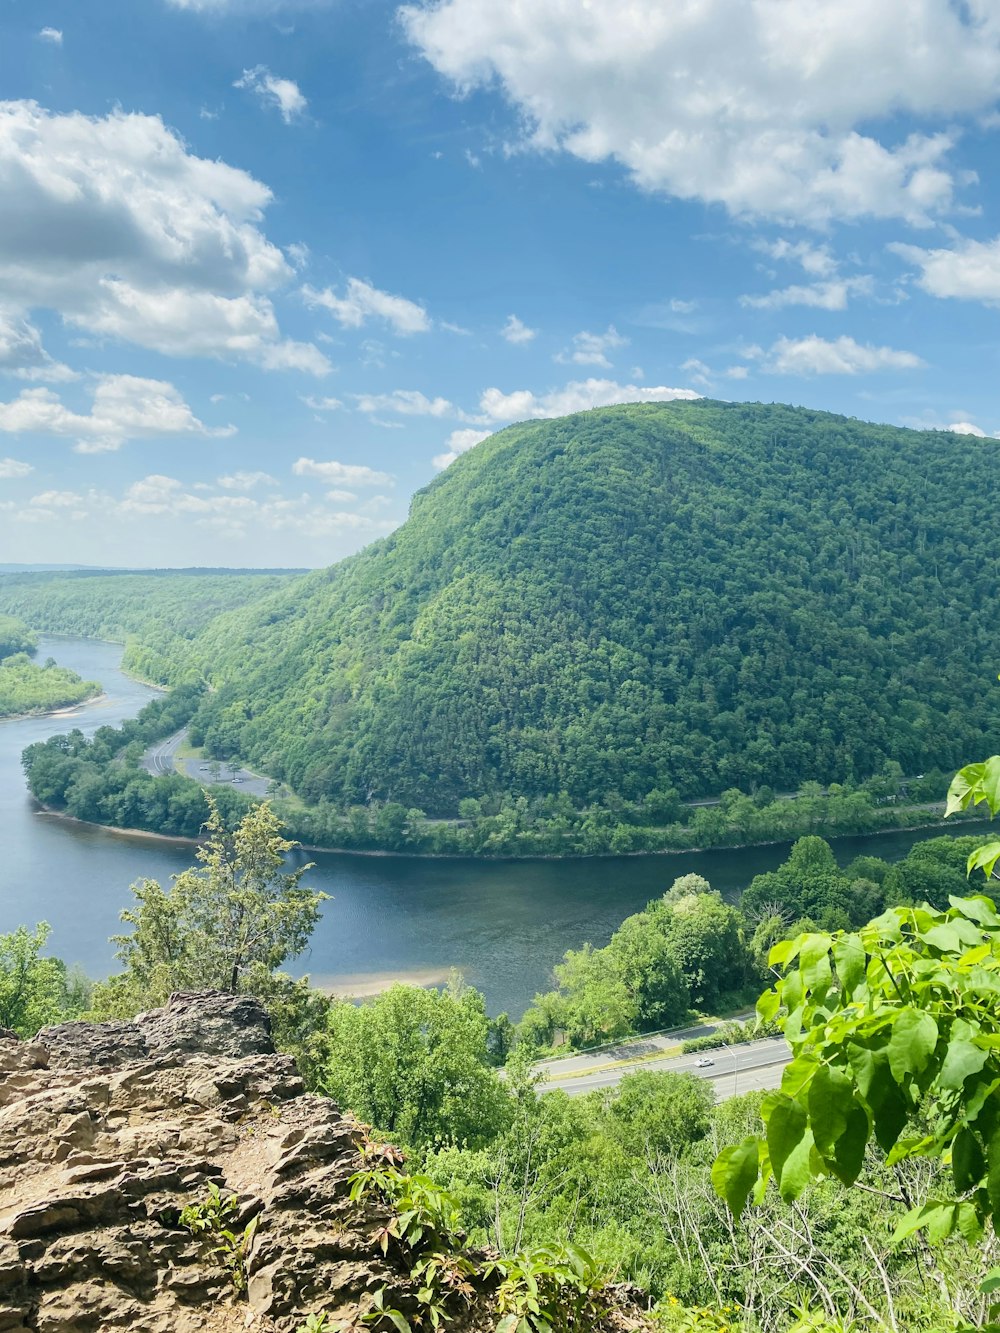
(703, 1063)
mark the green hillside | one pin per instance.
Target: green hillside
(155, 612)
(692, 595)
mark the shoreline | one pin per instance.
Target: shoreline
(64, 710)
(187, 841)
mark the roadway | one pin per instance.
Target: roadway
(163, 758)
(734, 1069)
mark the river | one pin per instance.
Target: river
(502, 923)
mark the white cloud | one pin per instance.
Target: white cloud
(53, 35)
(577, 396)
(460, 442)
(22, 354)
(815, 259)
(350, 474)
(124, 407)
(591, 349)
(516, 332)
(683, 307)
(341, 497)
(839, 356)
(361, 302)
(967, 428)
(13, 467)
(700, 373)
(767, 108)
(407, 402)
(246, 481)
(113, 223)
(831, 295)
(322, 404)
(970, 271)
(284, 94)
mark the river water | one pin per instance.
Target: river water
(502, 923)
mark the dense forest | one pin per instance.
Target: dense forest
(683, 597)
(104, 781)
(155, 613)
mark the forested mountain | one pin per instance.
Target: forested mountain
(696, 595)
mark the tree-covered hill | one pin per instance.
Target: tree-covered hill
(156, 612)
(693, 595)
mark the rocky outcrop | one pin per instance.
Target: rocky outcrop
(109, 1130)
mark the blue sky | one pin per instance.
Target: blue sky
(265, 267)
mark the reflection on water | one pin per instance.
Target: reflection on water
(502, 923)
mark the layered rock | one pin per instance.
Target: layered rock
(109, 1130)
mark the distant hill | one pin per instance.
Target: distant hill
(155, 611)
(693, 595)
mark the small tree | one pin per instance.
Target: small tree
(226, 925)
(35, 991)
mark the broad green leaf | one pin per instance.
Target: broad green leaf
(962, 1058)
(849, 1155)
(964, 788)
(849, 956)
(735, 1172)
(984, 858)
(938, 1218)
(976, 908)
(968, 1222)
(768, 1005)
(830, 1101)
(989, 783)
(784, 951)
(993, 1177)
(879, 1089)
(914, 1037)
(788, 1143)
(967, 1161)
(945, 937)
(814, 962)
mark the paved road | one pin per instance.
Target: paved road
(735, 1069)
(162, 758)
(635, 1048)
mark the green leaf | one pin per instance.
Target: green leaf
(977, 908)
(849, 957)
(768, 1005)
(967, 1161)
(735, 1173)
(938, 1218)
(850, 1148)
(914, 1037)
(830, 1099)
(968, 1222)
(814, 962)
(962, 1059)
(984, 858)
(880, 1091)
(993, 1177)
(964, 788)
(789, 1142)
(989, 783)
